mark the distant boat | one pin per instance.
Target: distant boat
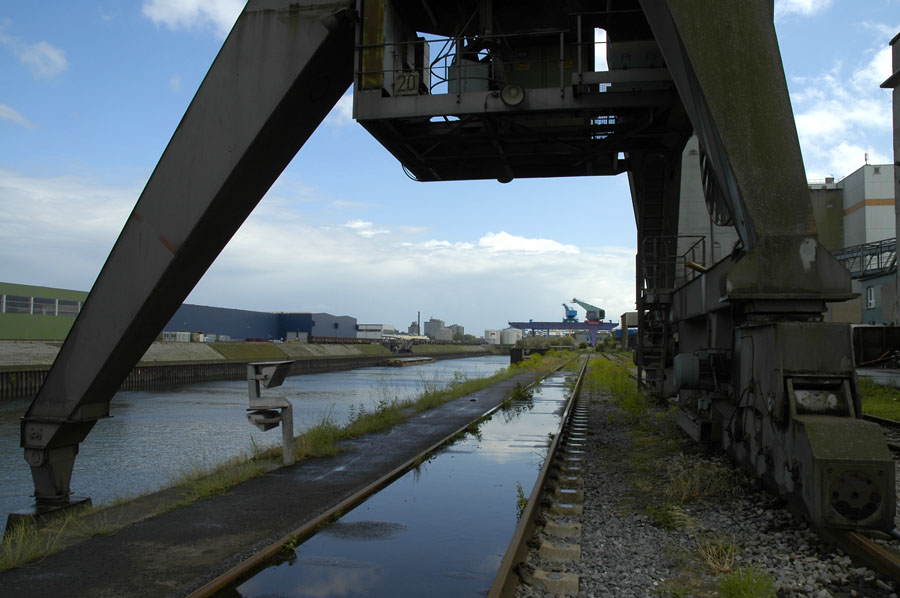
(402, 362)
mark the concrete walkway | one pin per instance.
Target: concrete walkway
(176, 552)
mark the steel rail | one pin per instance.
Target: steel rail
(882, 421)
(308, 529)
(506, 581)
(888, 424)
(865, 550)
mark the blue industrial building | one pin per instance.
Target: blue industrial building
(242, 324)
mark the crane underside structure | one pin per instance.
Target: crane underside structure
(503, 89)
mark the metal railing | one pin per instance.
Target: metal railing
(867, 259)
(463, 62)
(665, 265)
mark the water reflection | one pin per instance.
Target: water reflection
(155, 435)
(440, 530)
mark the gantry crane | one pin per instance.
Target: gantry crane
(593, 314)
(503, 89)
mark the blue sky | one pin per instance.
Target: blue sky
(90, 94)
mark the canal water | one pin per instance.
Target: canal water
(440, 530)
(154, 436)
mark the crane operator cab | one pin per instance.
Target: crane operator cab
(454, 95)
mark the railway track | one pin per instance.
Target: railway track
(891, 430)
(558, 484)
(274, 551)
(565, 458)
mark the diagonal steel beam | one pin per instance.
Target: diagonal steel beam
(282, 68)
(726, 64)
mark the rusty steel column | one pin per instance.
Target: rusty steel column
(282, 68)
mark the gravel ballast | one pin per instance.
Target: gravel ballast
(642, 539)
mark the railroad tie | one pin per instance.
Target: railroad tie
(563, 508)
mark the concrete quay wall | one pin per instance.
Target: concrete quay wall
(24, 364)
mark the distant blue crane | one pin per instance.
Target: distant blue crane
(571, 314)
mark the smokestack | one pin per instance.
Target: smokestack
(419, 322)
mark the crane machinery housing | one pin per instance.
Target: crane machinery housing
(571, 314)
(594, 314)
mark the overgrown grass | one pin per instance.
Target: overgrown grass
(719, 555)
(27, 542)
(878, 400)
(747, 582)
(197, 483)
(667, 516)
(693, 482)
(613, 377)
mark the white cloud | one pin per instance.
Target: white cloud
(9, 113)
(43, 59)
(191, 14)
(60, 228)
(342, 113)
(800, 7)
(388, 277)
(842, 114)
(58, 232)
(175, 83)
(365, 229)
(847, 157)
(504, 241)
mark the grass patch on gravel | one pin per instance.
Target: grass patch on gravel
(719, 555)
(878, 400)
(747, 582)
(688, 483)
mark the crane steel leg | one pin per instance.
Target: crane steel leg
(283, 67)
(756, 366)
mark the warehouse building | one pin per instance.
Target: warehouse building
(43, 313)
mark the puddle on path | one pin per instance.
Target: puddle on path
(440, 530)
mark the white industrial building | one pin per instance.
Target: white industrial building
(432, 326)
(443, 334)
(868, 204)
(373, 332)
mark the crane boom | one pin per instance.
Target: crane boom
(594, 313)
